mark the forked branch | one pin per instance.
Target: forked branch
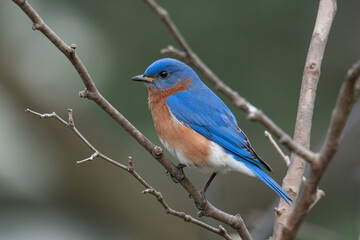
(311, 75)
(347, 96)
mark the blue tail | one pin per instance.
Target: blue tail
(270, 182)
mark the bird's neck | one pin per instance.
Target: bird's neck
(159, 96)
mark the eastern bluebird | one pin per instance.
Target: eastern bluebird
(197, 127)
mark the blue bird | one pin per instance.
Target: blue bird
(197, 127)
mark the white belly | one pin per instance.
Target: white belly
(218, 160)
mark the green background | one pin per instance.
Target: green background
(257, 47)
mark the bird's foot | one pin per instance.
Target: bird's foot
(180, 166)
(201, 205)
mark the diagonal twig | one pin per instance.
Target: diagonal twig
(319, 193)
(130, 169)
(278, 149)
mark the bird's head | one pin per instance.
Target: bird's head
(166, 73)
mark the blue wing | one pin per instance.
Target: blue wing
(205, 113)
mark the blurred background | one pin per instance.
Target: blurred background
(256, 47)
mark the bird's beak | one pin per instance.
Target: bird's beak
(142, 78)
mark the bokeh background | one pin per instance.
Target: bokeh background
(257, 47)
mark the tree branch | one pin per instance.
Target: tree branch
(130, 169)
(252, 112)
(234, 221)
(311, 75)
(340, 114)
(278, 149)
(319, 193)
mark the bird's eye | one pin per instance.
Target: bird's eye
(163, 74)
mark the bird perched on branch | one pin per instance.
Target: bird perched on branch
(197, 127)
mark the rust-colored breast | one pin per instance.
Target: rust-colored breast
(194, 146)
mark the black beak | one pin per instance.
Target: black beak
(142, 78)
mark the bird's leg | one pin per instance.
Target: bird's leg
(208, 183)
(203, 191)
(180, 166)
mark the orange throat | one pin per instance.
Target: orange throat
(178, 138)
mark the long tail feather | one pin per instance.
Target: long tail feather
(270, 182)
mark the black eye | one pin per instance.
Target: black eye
(163, 74)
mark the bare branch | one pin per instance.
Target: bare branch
(277, 148)
(268, 214)
(68, 51)
(252, 112)
(176, 52)
(164, 16)
(130, 169)
(92, 157)
(311, 75)
(319, 193)
(187, 218)
(341, 112)
(91, 92)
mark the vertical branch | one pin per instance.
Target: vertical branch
(293, 179)
(340, 114)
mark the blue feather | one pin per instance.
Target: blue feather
(269, 181)
(201, 110)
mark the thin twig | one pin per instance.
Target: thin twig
(130, 169)
(319, 194)
(176, 52)
(71, 125)
(92, 157)
(91, 92)
(277, 148)
(281, 153)
(252, 112)
(187, 218)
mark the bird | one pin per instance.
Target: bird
(196, 127)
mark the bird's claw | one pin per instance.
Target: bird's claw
(180, 166)
(174, 179)
(200, 206)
